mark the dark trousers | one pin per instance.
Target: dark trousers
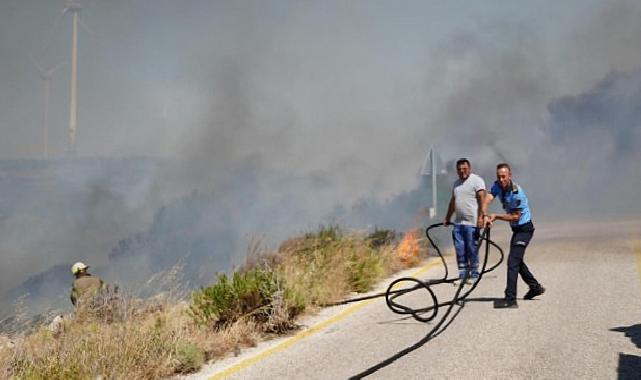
(521, 236)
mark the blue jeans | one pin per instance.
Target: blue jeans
(467, 251)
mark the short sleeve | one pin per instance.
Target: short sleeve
(495, 190)
(479, 184)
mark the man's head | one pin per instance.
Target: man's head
(463, 168)
(504, 175)
(79, 269)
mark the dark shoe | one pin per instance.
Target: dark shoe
(533, 292)
(506, 304)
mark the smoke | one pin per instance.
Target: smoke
(68, 210)
(596, 136)
(498, 88)
(281, 116)
(564, 114)
(609, 111)
(593, 127)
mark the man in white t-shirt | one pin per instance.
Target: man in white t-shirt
(468, 193)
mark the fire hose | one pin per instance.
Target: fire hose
(391, 294)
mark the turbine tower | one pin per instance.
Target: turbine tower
(432, 167)
(46, 75)
(72, 6)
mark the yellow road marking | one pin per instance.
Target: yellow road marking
(303, 334)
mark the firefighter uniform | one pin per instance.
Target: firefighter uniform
(85, 286)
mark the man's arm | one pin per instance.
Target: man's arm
(73, 296)
(450, 211)
(480, 198)
(511, 217)
(487, 199)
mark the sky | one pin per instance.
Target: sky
(346, 96)
(151, 73)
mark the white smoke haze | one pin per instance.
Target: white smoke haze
(281, 113)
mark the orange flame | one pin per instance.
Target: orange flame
(409, 248)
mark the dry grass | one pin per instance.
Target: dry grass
(141, 345)
(119, 337)
(217, 344)
(322, 270)
(150, 343)
(5, 359)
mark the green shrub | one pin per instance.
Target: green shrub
(46, 370)
(365, 269)
(189, 357)
(247, 294)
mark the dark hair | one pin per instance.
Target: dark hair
(504, 165)
(462, 161)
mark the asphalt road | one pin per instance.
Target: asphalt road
(587, 324)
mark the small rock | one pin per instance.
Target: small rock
(57, 325)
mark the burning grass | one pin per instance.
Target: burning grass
(410, 248)
(125, 338)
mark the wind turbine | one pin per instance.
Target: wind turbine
(46, 75)
(72, 7)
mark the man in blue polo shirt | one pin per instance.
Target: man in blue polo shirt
(517, 213)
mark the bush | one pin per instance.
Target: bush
(365, 269)
(247, 294)
(189, 357)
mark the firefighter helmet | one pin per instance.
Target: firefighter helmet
(79, 267)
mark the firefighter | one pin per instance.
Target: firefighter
(85, 285)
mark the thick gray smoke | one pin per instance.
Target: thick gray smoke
(60, 211)
(610, 111)
(599, 132)
(269, 118)
(563, 113)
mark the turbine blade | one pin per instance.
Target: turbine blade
(35, 63)
(47, 38)
(56, 67)
(85, 27)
